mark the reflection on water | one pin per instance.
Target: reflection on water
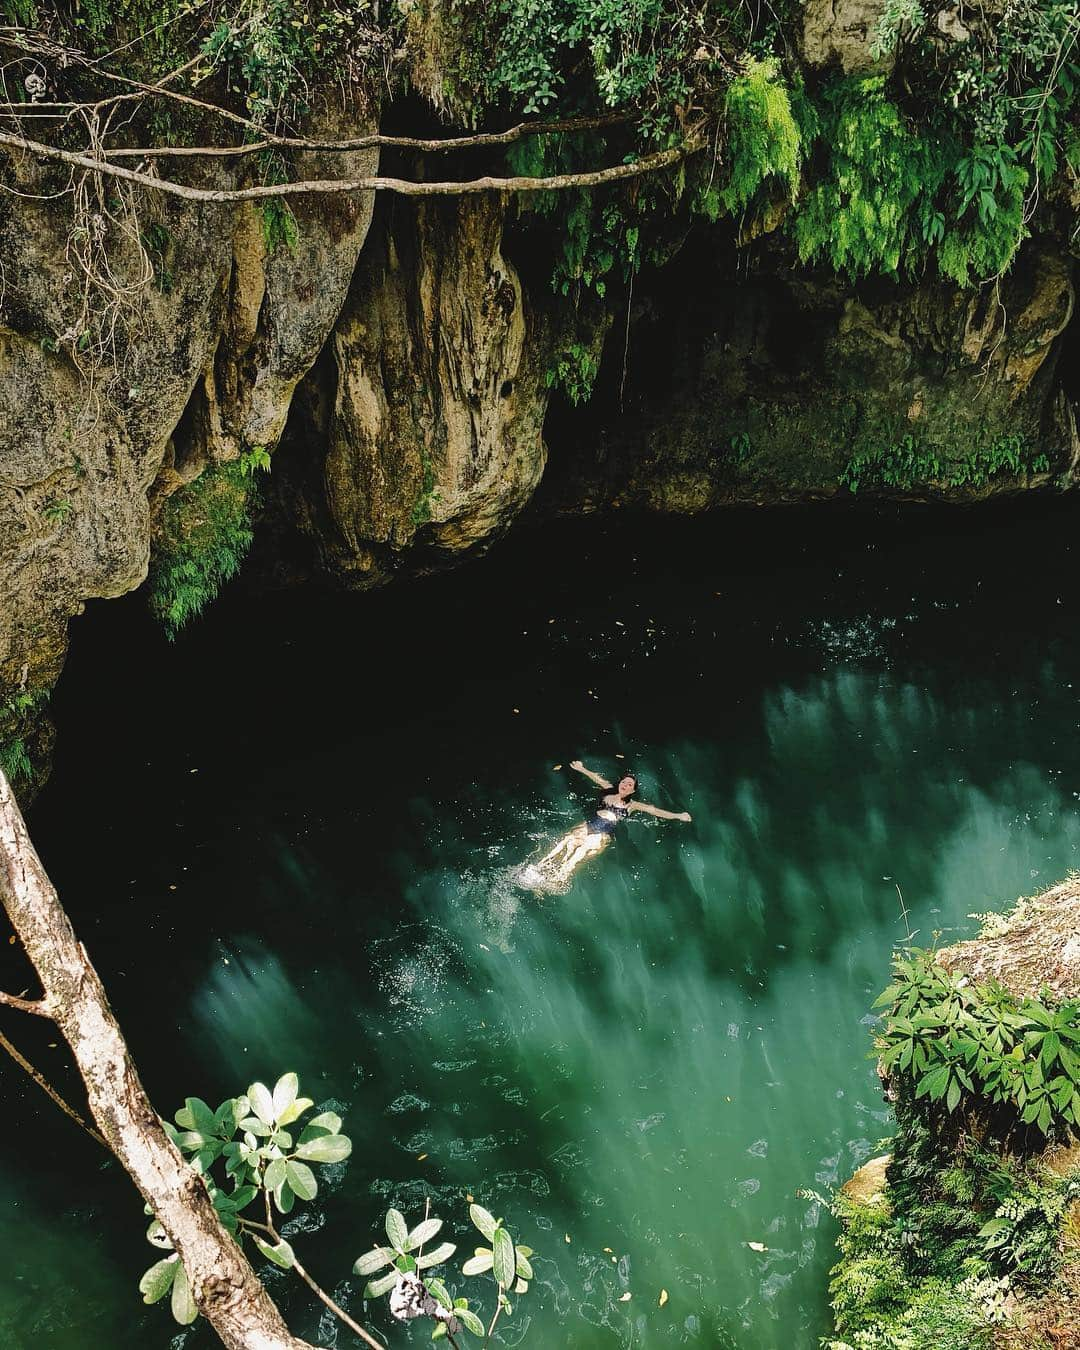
(653, 1064)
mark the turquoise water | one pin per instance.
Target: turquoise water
(288, 844)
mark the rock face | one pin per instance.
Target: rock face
(421, 428)
(841, 32)
(195, 365)
(763, 388)
(406, 372)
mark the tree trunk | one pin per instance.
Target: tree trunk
(226, 1289)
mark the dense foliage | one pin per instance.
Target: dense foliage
(1011, 1061)
(971, 1215)
(255, 1157)
(933, 1260)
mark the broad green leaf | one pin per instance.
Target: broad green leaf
(285, 1092)
(522, 1250)
(438, 1331)
(331, 1148)
(253, 1125)
(436, 1257)
(470, 1321)
(423, 1232)
(524, 1269)
(522, 1287)
(183, 1305)
(383, 1285)
(191, 1139)
(284, 1198)
(328, 1122)
(274, 1174)
(157, 1236)
(243, 1196)
(439, 1292)
(1043, 1121)
(295, 1111)
(952, 1099)
(503, 1265)
(993, 1228)
(483, 1220)
(196, 1115)
(478, 1265)
(397, 1230)
(225, 1117)
(157, 1281)
(281, 1253)
(262, 1103)
(373, 1260)
(302, 1179)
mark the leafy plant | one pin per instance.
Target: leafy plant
(263, 1157)
(506, 1262)
(958, 1041)
(764, 140)
(909, 462)
(574, 372)
(204, 533)
(57, 510)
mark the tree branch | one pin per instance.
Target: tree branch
(225, 1287)
(24, 1005)
(477, 141)
(49, 1090)
(373, 183)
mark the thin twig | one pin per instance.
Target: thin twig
(37, 1007)
(51, 1091)
(319, 1292)
(340, 1313)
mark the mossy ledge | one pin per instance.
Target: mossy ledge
(967, 1235)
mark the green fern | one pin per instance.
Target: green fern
(203, 536)
(764, 140)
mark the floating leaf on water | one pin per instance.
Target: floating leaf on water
(608, 1250)
(757, 1246)
(625, 1298)
(663, 1298)
(420, 1157)
(566, 1237)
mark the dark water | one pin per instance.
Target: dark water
(286, 842)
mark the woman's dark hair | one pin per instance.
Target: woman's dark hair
(626, 773)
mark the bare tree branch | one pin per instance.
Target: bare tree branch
(49, 1090)
(25, 1005)
(476, 141)
(554, 182)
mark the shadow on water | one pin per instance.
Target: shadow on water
(289, 843)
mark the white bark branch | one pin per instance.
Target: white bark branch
(261, 192)
(225, 1287)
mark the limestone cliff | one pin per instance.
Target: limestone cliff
(423, 374)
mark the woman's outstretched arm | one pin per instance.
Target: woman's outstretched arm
(658, 811)
(600, 782)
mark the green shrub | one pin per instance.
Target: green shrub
(1015, 1062)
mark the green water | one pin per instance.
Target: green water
(655, 1063)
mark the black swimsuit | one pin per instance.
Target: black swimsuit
(599, 825)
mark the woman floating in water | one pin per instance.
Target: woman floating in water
(555, 869)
